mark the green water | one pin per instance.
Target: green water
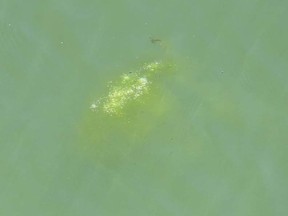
(209, 139)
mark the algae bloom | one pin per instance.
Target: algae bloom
(131, 87)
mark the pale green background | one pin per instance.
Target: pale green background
(211, 141)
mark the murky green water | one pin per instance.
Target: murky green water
(209, 138)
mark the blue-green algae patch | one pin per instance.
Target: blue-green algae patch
(130, 88)
(118, 122)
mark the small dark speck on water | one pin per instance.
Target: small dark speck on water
(155, 40)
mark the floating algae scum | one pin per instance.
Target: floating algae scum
(117, 122)
(131, 88)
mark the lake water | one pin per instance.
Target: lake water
(209, 138)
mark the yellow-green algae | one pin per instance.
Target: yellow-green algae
(131, 87)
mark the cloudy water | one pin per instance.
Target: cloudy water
(143, 108)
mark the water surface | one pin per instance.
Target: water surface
(209, 139)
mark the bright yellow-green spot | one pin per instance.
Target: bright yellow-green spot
(131, 87)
